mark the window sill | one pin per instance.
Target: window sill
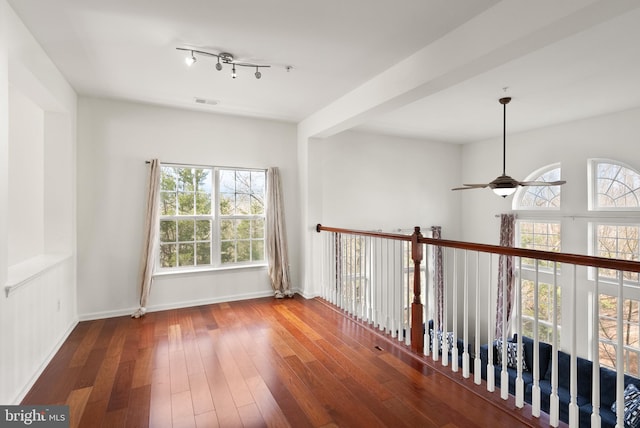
(206, 270)
(21, 273)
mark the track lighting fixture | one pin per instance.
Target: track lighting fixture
(225, 58)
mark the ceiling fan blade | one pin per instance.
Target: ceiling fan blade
(542, 183)
(471, 186)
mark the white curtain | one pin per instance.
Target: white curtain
(150, 245)
(277, 253)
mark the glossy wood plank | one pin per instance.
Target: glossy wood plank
(264, 362)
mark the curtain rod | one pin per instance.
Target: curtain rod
(620, 216)
(206, 166)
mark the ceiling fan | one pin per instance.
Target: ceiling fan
(505, 185)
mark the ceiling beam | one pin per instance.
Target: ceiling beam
(503, 33)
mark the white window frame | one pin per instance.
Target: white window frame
(215, 218)
(592, 171)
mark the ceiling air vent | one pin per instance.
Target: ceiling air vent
(205, 101)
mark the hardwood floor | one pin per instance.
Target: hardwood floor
(265, 362)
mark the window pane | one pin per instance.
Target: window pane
(167, 231)
(203, 203)
(618, 242)
(185, 230)
(533, 197)
(243, 182)
(227, 230)
(542, 236)
(243, 203)
(186, 177)
(186, 253)
(227, 203)
(167, 203)
(257, 250)
(168, 178)
(257, 182)
(243, 251)
(257, 205)
(228, 252)
(203, 230)
(242, 231)
(185, 203)
(257, 229)
(167, 255)
(203, 181)
(227, 181)
(203, 251)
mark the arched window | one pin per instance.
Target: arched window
(540, 197)
(613, 186)
(539, 234)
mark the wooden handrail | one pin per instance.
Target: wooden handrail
(576, 259)
(396, 236)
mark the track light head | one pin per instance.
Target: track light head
(233, 72)
(257, 73)
(218, 65)
(190, 59)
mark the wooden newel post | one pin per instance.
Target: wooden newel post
(417, 332)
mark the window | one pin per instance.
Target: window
(544, 236)
(608, 333)
(201, 227)
(540, 197)
(617, 241)
(242, 215)
(613, 186)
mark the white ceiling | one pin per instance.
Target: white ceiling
(127, 50)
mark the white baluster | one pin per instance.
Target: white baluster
(477, 366)
(491, 380)
(465, 318)
(573, 405)
(535, 391)
(519, 353)
(426, 342)
(554, 399)
(595, 342)
(620, 354)
(504, 374)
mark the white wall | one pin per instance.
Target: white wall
(114, 140)
(37, 256)
(375, 182)
(613, 136)
(26, 178)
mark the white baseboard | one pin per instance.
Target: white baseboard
(175, 305)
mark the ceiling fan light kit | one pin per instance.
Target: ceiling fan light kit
(223, 58)
(505, 185)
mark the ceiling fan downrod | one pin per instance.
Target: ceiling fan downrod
(504, 101)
